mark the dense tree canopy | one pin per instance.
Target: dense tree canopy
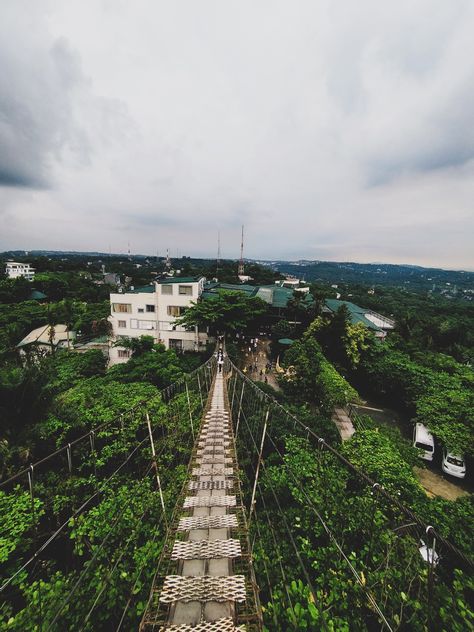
(226, 312)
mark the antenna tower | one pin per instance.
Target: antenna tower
(218, 252)
(240, 271)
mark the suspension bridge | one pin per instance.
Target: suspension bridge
(256, 536)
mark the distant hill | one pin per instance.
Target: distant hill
(451, 283)
(412, 277)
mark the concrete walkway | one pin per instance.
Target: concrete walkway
(343, 423)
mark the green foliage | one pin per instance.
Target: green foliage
(386, 559)
(64, 369)
(310, 377)
(70, 285)
(379, 457)
(112, 547)
(443, 401)
(282, 329)
(17, 519)
(344, 343)
(449, 413)
(225, 312)
(16, 320)
(156, 366)
(14, 290)
(90, 403)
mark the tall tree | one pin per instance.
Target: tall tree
(227, 312)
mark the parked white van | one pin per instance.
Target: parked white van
(453, 464)
(423, 440)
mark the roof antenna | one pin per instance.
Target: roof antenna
(218, 252)
(240, 271)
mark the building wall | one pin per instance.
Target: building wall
(14, 270)
(153, 314)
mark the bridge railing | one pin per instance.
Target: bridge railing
(333, 549)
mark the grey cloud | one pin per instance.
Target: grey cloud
(329, 129)
(37, 82)
(48, 114)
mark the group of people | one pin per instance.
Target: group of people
(253, 368)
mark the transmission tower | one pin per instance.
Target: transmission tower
(240, 271)
(218, 261)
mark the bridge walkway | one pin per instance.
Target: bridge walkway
(212, 587)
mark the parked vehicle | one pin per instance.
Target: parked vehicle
(453, 464)
(423, 440)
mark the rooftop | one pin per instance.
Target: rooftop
(273, 295)
(357, 314)
(41, 335)
(168, 280)
(145, 289)
(36, 295)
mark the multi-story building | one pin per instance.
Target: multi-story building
(152, 311)
(13, 270)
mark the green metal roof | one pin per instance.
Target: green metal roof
(273, 295)
(212, 288)
(36, 295)
(357, 313)
(169, 280)
(145, 289)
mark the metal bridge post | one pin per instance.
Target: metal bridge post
(189, 409)
(200, 393)
(233, 393)
(240, 411)
(155, 467)
(33, 515)
(254, 491)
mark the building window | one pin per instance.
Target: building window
(123, 308)
(133, 323)
(186, 289)
(150, 308)
(123, 353)
(122, 323)
(175, 310)
(146, 324)
(176, 343)
(167, 289)
(140, 310)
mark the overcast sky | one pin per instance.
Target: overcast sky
(333, 129)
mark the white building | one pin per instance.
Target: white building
(152, 311)
(46, 340)
(13, 270)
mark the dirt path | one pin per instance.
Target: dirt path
(435, 485)
(259, 357)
